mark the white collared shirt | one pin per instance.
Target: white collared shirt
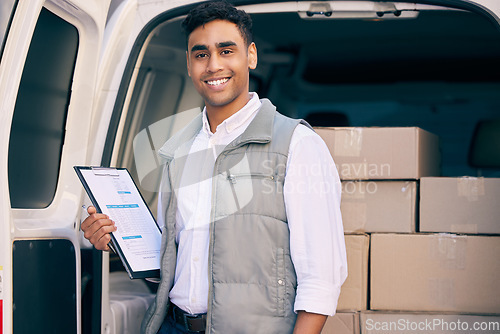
(312, 199)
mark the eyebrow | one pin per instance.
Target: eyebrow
(225, 44)
(201, 47)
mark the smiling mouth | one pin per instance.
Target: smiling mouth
(217, 82)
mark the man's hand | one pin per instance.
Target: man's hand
(96, 228)
(309, 323)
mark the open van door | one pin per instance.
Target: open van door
(48, 70)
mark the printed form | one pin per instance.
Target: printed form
(138, 236)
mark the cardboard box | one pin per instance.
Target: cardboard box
(354, 291)
(342, 323)
(396, 322)
(379, 206)
(382, 153)
(435, 272)
(460, 205)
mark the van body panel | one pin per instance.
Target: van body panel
(58, 222)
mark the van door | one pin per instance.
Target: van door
(48, 68)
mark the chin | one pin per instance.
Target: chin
(219, 101)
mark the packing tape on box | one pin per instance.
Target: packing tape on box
(442, 292)
(470, 187)
(408, 188)
(450, 250)
(348, 142)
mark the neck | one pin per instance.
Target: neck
(218, 114)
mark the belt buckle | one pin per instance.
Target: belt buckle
(187, 317)
(187, 322)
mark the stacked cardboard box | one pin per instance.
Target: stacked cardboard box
(460, 205)
(392, 196)
(342, 323)
(379, 169)
(379, 206)
(435, 272)
(354, 293)
(382, 153)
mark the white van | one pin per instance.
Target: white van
(98, 82)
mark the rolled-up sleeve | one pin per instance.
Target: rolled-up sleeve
(312, 192)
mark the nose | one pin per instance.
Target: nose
(214, 64)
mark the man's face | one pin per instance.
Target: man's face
(218, 61)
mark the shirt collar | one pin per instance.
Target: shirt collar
(237, 119)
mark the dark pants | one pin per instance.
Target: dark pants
(169, 326)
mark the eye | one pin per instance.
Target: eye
(226, 52)
(201, 55)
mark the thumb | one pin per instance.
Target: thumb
(91, 210)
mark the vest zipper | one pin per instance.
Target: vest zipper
(211, 244)
(212, 227)
(234, 177)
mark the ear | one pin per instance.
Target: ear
(252, 56)
(187, 63)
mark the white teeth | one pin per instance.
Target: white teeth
(217, 82)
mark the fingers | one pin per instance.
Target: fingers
(100, 238)
(102, 243)
(91, 210)
(88, 223)
(96, 228)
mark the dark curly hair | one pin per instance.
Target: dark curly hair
(218, 10)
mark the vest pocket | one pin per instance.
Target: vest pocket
(233, 178)
(280, 281)
(247, 187)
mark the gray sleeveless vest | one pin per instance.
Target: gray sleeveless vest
(252, 281)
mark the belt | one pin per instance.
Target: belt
(191, 322)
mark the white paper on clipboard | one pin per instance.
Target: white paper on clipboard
(138, 237)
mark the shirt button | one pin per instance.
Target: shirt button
(280, 282)
(196, 259)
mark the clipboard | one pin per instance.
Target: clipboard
(137, 240)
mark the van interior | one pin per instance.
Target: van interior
(435, 68)
(431, 67)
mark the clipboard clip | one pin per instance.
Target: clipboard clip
(105, 171)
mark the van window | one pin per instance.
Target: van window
(38, 124)
(150, 109)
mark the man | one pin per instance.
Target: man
(250, 203)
